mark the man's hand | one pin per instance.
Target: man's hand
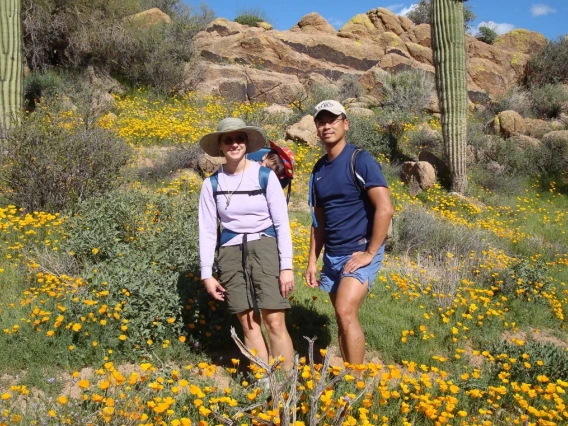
(286, 282)
(358, 260)
(215, 290)
(311, 271)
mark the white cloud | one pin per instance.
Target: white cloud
(335, 22)
(405, 10)
(541, 10)
(400, 9)
(394, 7)
(498, 28)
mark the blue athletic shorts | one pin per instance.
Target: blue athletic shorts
(332, 271)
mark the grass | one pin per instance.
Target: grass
(448, 290)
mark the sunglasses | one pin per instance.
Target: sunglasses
(229, 140)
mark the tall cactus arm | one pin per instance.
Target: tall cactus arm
(448, 43)
(11, 64)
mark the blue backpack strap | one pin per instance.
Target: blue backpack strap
(263, 174)
(312, 199)
(214, 179)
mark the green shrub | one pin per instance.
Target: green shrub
(251, 17)
(305, 102)
(526, 280)
(486, 34)
(80, 33)
(498, 182)
(173, 160)
(516, 99)
(364, 133)
(139, 248)
(349, 87)
(545, 359)
(549, 65)
(421, 231)
(42, 84)
(46, 165)
(408, 91)
(423, 138)
(557, 154)
(548, 100)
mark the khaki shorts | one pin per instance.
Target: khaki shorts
(263, 266)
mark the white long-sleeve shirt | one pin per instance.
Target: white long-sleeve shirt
(244, 215)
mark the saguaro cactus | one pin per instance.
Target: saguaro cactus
(448, 43)
(11, 65)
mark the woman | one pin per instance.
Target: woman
(255, 246)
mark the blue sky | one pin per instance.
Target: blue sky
(549, 17)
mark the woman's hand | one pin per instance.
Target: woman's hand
(215, 290)
(286, 282)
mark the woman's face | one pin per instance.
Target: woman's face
(233, 145)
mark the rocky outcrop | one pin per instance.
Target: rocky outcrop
(419, 176)
(150, 18)
(536, 128)
(509, 123)
(303, 131)
(521, 41)
(368, 42)
(242, 83)
(313, 23)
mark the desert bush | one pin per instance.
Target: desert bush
(526, 280)
(515, 98)
(557, 153)
(420, 231)
(544, 359)
(251, 17)
(549, 65)
(42, 84)
(503, 158)
(517, 160)
(486, 34)
(423, 138)
(305, 102)
(349, 87)
(98, 33)
(548, 100)
(420, 14)
(46, 165)
(364, 133)
(173, 160)
(138, 246)
(410, 90)
(497, 182)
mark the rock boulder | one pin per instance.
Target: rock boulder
(419, 176)
(509, 123)
(303, 131)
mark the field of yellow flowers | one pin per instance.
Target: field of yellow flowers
(103, 320)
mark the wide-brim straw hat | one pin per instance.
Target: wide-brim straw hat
(210, 142)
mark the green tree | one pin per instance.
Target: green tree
(448, 45)
(486, 34)
(420, 14)
(11, 64)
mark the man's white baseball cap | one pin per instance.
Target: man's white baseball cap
(332, 106)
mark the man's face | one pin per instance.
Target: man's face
(331, 128)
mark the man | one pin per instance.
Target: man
(351, 223)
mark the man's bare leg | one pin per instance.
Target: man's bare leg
(347, 301)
